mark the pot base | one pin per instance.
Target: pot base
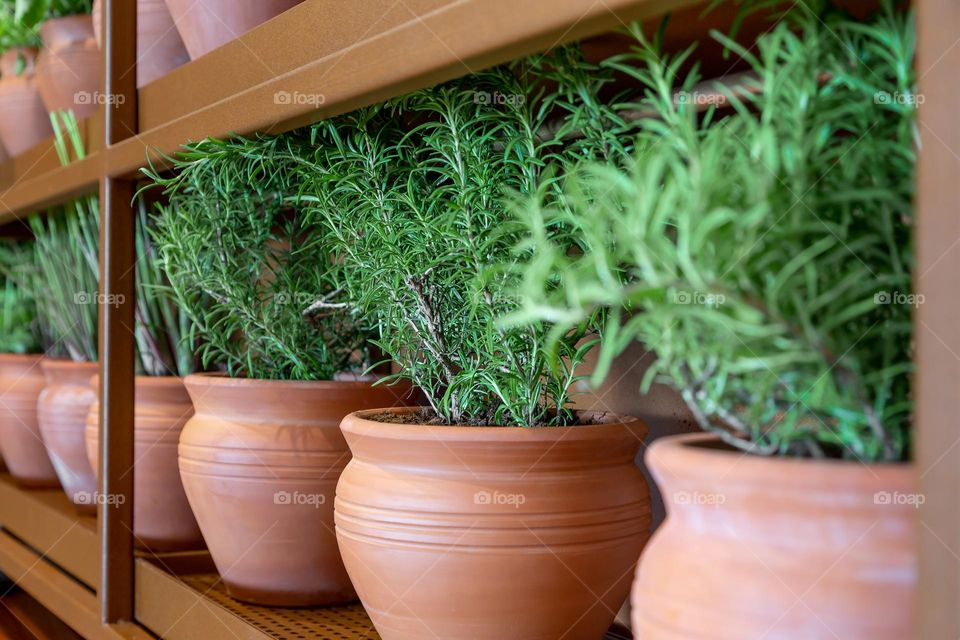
(291, 599)
(27, 483)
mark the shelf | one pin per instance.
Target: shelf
(181, 597)
(66, 598)
(22, 617)
(50, 524)
(325, 57)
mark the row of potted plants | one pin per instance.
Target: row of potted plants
(50, 58)
(479, 236)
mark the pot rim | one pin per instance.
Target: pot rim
(74, 17)
(704, 455)
(221, 379)
(614, 423)
(66, 363)
(148, 381)
(23, 357)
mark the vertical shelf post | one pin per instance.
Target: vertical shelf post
(117, 304)
(937, 319)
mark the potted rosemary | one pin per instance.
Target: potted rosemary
(162, 519)
(68, 67)
(765, 256)
(261, 457)
(496, 510)
(23, 118)
(21, 379)
(65, 279)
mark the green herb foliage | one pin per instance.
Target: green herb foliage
(32, 12)
(253, 274)
(411, 193)
(20, 331)
(20, 19)
(14, 30)
(763, 254)
(66, 275)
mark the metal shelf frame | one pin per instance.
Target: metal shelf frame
(351, 53)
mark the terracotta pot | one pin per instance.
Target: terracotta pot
(62, 410)
(24, 121)
(159, 47)
(260, 462)
(162, 520)
(492, 533)
(21, 381)
(777, 548)
(68, 67)
(205, 25)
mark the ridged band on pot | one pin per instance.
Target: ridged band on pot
(68, 67)
(777, 547)
(205, 25)
(492, 533)
(24, 121)
(162, 519)
(159, 47)
(260, 461)
(62, 410)
(21, 381)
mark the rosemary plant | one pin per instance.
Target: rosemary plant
(254, 276)
(66, 280)
(66, 275)
(411, 195)
(21, 19)
(764, 254)
(30, 13)
(20, 332)
(14, 30)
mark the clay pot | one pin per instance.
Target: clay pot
(777, 548)
(62, 410)
(205, 25)
(492, 533)
(24, 122)
(68, 67)
(159, 47)
(260, 462)
(21, 381)
(162, 520)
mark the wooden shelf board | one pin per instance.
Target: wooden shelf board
(66, 598)
(325, 57)
(49, 523)
(181, 597)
